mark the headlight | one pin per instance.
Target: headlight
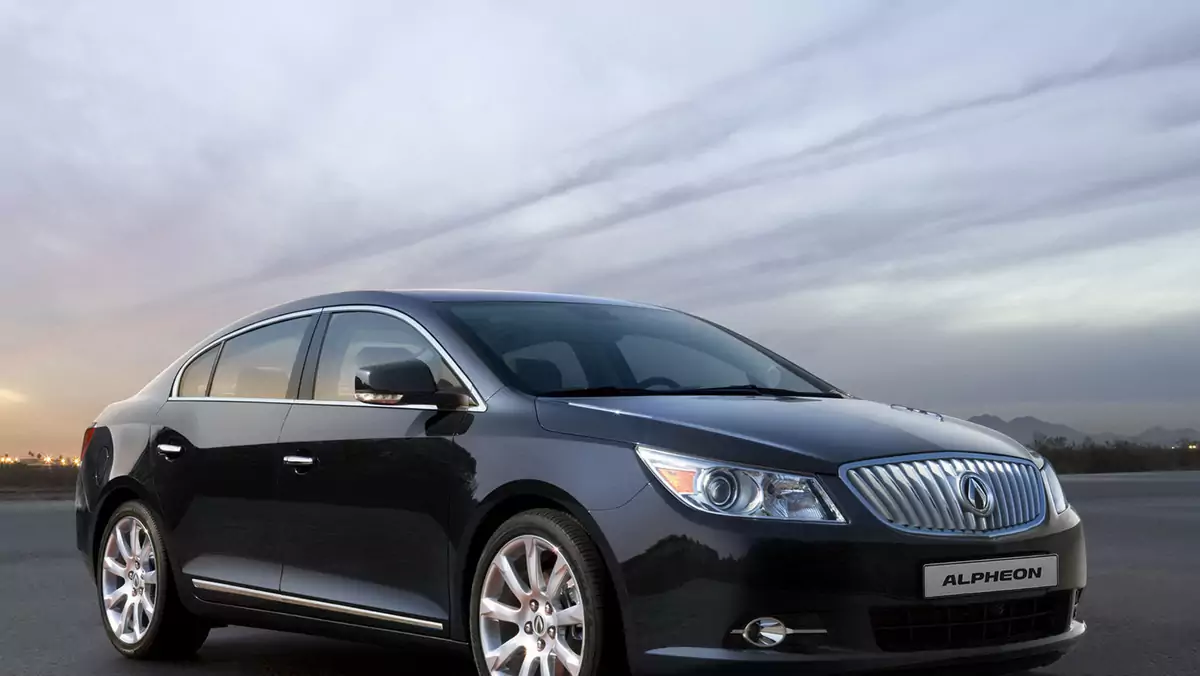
(1053, 486)
(737, 490)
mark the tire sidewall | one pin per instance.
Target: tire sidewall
(139, 511)
(590, 590)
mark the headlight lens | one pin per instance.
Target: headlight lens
(1053, 486)
(737, 490)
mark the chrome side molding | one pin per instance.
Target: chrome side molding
(261, 594)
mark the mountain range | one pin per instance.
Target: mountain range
(1027, 429)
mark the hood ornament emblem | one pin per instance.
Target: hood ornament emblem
(975, 494)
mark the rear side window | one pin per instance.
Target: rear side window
(194, 381)
(357, 339)
(259, 364)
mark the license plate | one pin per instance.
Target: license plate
(990, 575)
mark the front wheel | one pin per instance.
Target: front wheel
(537, 602)
(142, 614)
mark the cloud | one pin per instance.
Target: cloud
(11, 397)
(826, 177)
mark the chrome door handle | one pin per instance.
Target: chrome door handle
(170, 450)
(298, 461)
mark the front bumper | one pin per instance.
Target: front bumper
(688, 579)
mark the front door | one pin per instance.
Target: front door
(214, 454)
(364, 488)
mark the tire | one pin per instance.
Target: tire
(554, 534)
(171, 632)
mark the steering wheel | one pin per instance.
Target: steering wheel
(658, 380)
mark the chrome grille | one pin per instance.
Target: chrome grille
(921, 493)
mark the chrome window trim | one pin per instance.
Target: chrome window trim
(232, 334)
(479, 406)
(262, 594)
(843, 474)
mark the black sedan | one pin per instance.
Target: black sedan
(565, 485)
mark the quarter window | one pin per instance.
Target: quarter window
(357, 339)
(259, 364)
(195, 378)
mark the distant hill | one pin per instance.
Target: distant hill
(1026, 429)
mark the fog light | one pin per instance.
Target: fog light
(765, 632)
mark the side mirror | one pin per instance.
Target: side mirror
(404, 382)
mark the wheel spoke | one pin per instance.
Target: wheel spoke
(135, 539)
(568, 617)
(500, 656)
(547, 668)
(558, 575)
(137, 619)
(148, 606)
(146, 550)
(567, 657)
(122, 544)
(112, 600)
(111, 565)
(150, 577)
(510, 577)
(494, 610)
(527, 665)
(126, 618)
(533, 565)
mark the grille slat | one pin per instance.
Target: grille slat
(1004, 493)
(942, 507)
(1013, 481)
(921, 493)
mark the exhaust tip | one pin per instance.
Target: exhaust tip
(765, 632)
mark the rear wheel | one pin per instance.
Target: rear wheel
(141, 611)
(537, 602)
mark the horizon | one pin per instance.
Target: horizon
(959, 207)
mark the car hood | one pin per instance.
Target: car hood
(805, 434)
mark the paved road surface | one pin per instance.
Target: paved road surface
(1142, 604)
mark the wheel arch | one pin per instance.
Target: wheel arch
(116, 493)
(502, 504)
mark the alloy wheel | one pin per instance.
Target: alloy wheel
(531, 614)
(129, 580)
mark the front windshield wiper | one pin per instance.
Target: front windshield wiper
(757, 390)
(606, 391)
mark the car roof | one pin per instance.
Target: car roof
(405, 299)
(477, 295)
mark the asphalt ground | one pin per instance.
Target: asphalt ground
(1142, 604)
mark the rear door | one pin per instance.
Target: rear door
(365, 495)
(214, 453)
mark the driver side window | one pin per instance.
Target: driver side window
(357, 339)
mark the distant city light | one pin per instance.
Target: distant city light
(43, 460)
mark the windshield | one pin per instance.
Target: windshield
(565, 349)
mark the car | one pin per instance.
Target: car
(564, 485)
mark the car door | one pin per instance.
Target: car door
(215, 456)
(365, 488)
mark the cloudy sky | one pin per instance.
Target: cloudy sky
(965, 206)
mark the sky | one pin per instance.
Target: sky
(968, 207)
